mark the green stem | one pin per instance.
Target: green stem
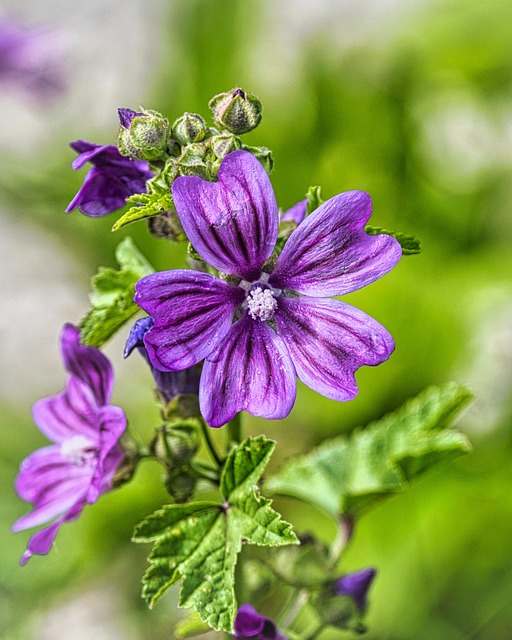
(234, 431)
(293, 607)
(209, 444)
(316, 632)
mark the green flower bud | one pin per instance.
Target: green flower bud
(236, 110)
(181, 484)
(176, 445)
(143, 135)
(189, 128)
(263, 154)
(194, 161)
(224, 143)
(166, 225)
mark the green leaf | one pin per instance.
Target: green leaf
(112, 295)
(145, 205)
(314, 199)
(347, 474)
(410, 244)
(199, 542)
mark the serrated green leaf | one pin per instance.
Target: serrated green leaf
(146, 205)
(112, 295)
(199, 542)
(410, 244)
(348, 474)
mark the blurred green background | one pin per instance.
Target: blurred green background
(410, 101)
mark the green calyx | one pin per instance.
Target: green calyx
(189, 128)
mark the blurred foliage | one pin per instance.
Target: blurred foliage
(420, 119)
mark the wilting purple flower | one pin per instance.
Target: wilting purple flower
(251, 624)
(169, 383)
(28, 59)
(275, 322)
(126, 116)
(60, 479)
(356, 586)
(111, 179)
(297, 213)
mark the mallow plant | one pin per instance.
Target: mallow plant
(256, 307)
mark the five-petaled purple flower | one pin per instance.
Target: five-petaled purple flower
(169, 383)
(269, 322)
(60, 479)
(111, 179)
(356, 586)
(251, 624)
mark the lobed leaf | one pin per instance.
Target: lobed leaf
(347, 474)
(199, 542)
(112, 295)
(145, 205)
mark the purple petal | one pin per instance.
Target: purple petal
(356, 586)
(51, 483)
(137, 333)
(231, 223)
(111, 425)
(192, 312)
(248, 621)
(252, 371)
(297, 213)
(126, 116)
(328, 341)
(330, 253)
(69, 413)
(88, 364)
(41, 543)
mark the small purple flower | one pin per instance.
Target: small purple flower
(251, 624)
(356, 586)
(28, 59)
(60, 479)
(126, 116)
(169, 383)
(269, 323)
(111, 179)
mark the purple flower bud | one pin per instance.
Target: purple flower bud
(251, 624)
(169, 383)
(112, 179)
(356, 586)
(297, 213)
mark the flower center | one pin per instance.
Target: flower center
(78, 450)
(261, 302)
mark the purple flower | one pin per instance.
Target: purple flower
(111, 180)
(28, 60)
(250, 624)
(268, 323)
(60, 479)
(356, 586)
(169, 383)
(126, 116)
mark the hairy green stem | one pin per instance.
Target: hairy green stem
(234, 431)
(209, 444)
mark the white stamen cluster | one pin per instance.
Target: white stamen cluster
(77, 450)
(261, 304)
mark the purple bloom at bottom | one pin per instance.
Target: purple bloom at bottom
(111, 180)
(272, 321)
(251, 624)
(169, 383)
(356, 586)
(60, 479)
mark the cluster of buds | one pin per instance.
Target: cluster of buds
(189, 146)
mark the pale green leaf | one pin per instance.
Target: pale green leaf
(145, 205)
(112, 295)
(198, 543)
(348, 474)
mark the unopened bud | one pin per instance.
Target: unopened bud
(180, 484)
(224, 143)
(236, 110)
(193, 161)
(143, 135)
(176, 445)
(189, 128)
